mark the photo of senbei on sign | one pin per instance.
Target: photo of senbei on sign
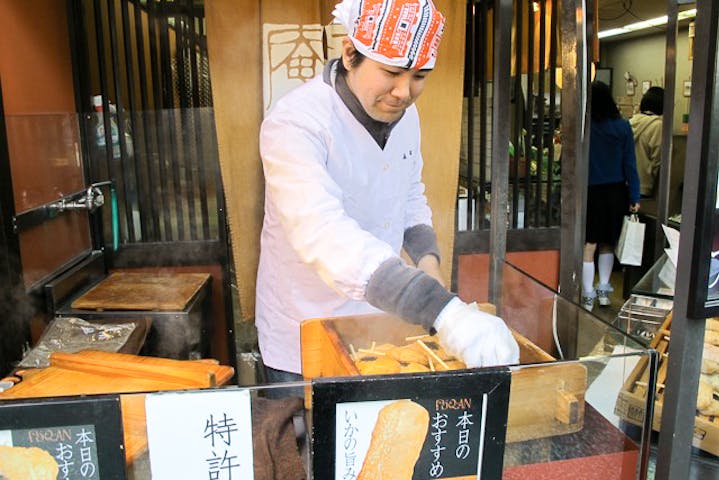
(423, 426)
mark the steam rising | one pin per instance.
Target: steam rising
(17, 308)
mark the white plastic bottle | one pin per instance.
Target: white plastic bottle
(100, 127)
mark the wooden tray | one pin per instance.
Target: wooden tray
(142, 291)
(632, 400)
(545, 400)
(92, 372)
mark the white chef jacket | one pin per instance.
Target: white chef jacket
(336, 207)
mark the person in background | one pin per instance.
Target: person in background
(344, 194)
(613, 191)
(647, 128)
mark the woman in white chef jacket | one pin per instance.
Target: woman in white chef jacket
(342, 163)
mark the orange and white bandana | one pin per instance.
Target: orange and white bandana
(399, 33)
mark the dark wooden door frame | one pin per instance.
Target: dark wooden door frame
(14, 324)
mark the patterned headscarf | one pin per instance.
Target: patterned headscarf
(399, 33)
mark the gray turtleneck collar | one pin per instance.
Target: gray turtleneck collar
(378, 130)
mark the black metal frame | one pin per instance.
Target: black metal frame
(500, 135)
(89, 271)
(703, 152)
(647, 424)
(670, 69)
(698, 216)
(575, 155)
(10, 269)
(14, 331)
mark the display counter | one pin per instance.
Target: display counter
(656, 291)
(549, 417)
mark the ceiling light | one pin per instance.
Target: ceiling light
(653, 22)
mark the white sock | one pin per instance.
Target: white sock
(605, 263)
(588, 276)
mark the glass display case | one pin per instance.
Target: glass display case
(554, 413)
(619, 385)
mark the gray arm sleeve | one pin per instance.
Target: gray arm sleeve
(407, 292)
(420, 240)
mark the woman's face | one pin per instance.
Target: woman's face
(385, 92)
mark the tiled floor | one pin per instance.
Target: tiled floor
(704, 465)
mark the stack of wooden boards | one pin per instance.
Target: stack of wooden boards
(631, 403)
(93, 372)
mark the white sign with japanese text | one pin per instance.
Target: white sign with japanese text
(355, 421)
(204, 435)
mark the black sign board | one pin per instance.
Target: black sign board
(83, 435)
(413, 426)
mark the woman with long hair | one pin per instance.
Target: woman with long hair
(613, 192)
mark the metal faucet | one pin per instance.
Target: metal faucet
(91, 201)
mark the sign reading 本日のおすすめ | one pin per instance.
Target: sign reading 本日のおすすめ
(293, 54)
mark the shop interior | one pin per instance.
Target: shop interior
(131, 203)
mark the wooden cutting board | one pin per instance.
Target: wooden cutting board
(93, 372)
(142, 291)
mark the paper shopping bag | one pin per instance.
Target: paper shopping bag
(631, 241)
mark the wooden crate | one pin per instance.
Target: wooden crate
(631, 403)
(545, 400)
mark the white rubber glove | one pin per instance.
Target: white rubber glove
(477, 338)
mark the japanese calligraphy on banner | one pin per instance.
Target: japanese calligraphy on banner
(75, 439)
(294, 54)
(210, 431)
(443, 426)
